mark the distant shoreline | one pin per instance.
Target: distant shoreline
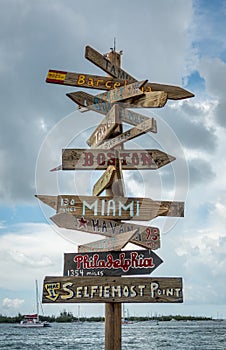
(65, 317)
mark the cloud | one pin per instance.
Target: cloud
(8, 303)
(30, 251)
(214, 71)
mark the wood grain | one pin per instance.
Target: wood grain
(60, 289)
(100, 159)
(110, 122)
(153, 99)
(114, 208)
(140, 129)
(173, 92)
(112, 243)
(125, 92)
(146, 236)
(104, 181)
(111, 263)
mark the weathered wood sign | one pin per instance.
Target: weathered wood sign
(125, 92)
(111, 121)
(105, 128)
(131, 159)
(107, 83)
(102, 62)
(120, 208)
(173, 92)
(84, 80)
(153, 99)
(115, 263)
(140, 129)
(108, 244)
(146, 236)
(104, 181)
(112, 289)
(133, 118)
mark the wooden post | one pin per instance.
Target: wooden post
(117, 326)
(109, 326)
(113, 328)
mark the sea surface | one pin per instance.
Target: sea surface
(149, 335)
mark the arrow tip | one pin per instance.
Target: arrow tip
(59, 167)
(49, 200)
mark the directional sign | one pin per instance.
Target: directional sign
(140, 129)
(102, 62)
(104, 181)
(125, 92)
(107, 83)
(146, 236)
(119, 208)
(130, 262)
(133, 118)
(105, 128)
(82, 159)
(91, 102)
(112, 289)
(111, 121)
(173, 92)
(153, 99)
(84, 80)
(112, 243)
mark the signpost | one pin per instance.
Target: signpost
(124, 92)
(112, 290)
(113, 243)
(113, 118)
(100, 159)
(107, 83)
(93, 274)
(104, 181)
(173, 92)
(146, 236)
(114, 263)
(110, 122)
(130, 134)
(153, 99)
(113, 208)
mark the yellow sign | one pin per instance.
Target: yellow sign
(54, 75)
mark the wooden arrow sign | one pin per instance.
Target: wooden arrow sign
(60, 289)
(173, 92)
(102, 62)
(84, 80)
(119, 208)
(106, 245)
(153, 99)
(147, 125)
(111, 121)
(113, 263)
(105, 128)
(104, 181)
(146, 236)
(91, 102)
(107, 83)
(82, 159)
(133, 118)
(124, 92)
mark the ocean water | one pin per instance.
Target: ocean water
(174, 335)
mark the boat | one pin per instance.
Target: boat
(125, 320)
(32, 320)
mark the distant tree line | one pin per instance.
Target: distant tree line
(69, 317)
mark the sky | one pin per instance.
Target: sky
(175, 42)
